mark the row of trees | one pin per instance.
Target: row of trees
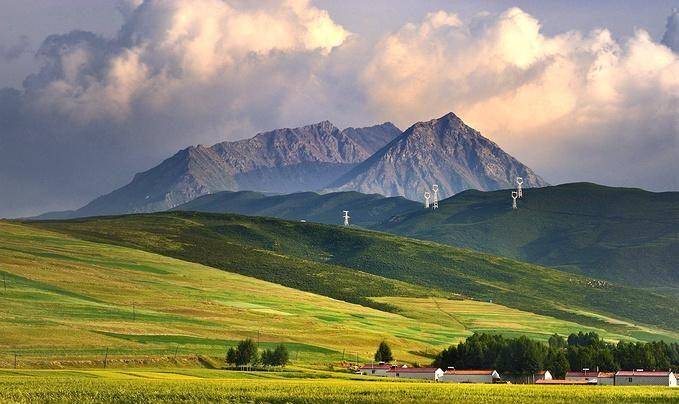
(246, 353)
(583, 350)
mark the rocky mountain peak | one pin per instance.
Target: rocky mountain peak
(443, 151)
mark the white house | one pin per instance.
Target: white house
(469, 376)
(416, 373)
(542, 375)
(640, 377)
(378, 369)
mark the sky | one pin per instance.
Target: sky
(92, 92)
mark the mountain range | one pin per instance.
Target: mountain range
(282, 160)
(320, 157)
(442, 151)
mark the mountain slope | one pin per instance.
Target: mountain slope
(67, 301)
(620, 234)
(365, 210)
(314, 257)
(282, 160)
(442, 151)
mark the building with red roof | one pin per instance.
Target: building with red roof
(642, 377)
(585, 375)
(416, 373)
(470, 376)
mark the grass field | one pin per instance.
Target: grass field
(355, 265)
(486, 317)
(67, 301)
(186, 386)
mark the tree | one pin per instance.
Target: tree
(557, 363)
(231, 356)
(267, 358)
(522, 355)
(383, 353)
(246, 353)
(281, 356)
(557, 341)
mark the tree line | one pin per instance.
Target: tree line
(582, 350)
(246, 353)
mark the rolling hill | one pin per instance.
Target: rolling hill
(365, 210)
(357, 265)
(619, 234)
(69, 302)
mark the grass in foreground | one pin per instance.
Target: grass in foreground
(151, 387)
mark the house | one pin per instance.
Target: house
(585, 375)
(416, 373)
(641, 377)
(526, 378)
(469, 376)
(606, 379)
(542, 375)
(379, 369)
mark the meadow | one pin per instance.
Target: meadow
(355, 265)
(213, 386)
(75, 303)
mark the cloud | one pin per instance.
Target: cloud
(671, 37)
(12, 52)
(177, 73)
(166, 48)
(576, 106)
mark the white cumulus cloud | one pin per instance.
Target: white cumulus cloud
(585, 105)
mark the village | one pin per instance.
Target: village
(493, 359)
(638, 377)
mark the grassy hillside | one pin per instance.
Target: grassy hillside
(365, 210)
(352, 265)
(65, 301)
(620, 234)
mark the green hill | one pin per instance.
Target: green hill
(618, 234)
(622, 235)
(69, 302)
(356, 265)
(365, 210)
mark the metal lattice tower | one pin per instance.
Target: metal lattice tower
(427, 195)
(435, 188)
(515, 195)
(346, 217)
(519, 188)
